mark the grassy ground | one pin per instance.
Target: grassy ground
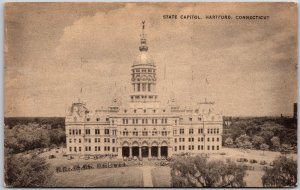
(253, 178)
(112, 177)
(133, 177)
(161, 177)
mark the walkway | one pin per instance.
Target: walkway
(147, 177)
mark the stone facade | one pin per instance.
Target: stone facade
(143, 127)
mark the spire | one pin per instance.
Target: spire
(143, 46)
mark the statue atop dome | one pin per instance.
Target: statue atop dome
(143, 46)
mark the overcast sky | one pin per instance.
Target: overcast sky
(248, 67)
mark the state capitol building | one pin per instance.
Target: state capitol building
(142, 127)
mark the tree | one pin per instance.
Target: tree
(198, 172)
(27, 171)
(243, 142)
(264, 147)
(286, 148)
(257, 141)
(275, 142)
(282, 174)
(228, 142)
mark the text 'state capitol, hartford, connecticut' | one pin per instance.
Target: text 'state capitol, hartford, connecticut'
(143, 127)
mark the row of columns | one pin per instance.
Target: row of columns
(149, 151)
(140, 151)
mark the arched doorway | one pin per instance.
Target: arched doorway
(154, 149)
(145, 149)
(164, 149)
(135, 149)
(125, 149)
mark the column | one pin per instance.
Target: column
(140, 152)
(170, 151)
(130, 152)
(149, 152)
(119, 149)
(159, 152)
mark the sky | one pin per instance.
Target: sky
(52, 50)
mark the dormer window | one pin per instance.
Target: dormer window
(88, 119)
(98, 119)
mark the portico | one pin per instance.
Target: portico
(144, 150)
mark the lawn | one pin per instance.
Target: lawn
(253, 178)
(161, 177)
(109, 177)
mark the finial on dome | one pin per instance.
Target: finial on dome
(143, 46)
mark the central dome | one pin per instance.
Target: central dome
(144, 58)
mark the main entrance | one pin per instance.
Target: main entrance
(144, 150)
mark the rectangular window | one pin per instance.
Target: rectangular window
(175, 148)
(106, 131)
(70, 148)
(70, 132)
(217, 139)
(181, 131)
(87, 131)
(198, 147)
(207, 147)
(79, 140)
(80, 149)
(70, 140)
(202, 147)
(191, 131)
(175, 140)
(113, 149)
(191, 119)
(213, 139)
(218, 130)
(79, 131)
(179, 147)
(114, 140)
(207, 139)
(96, 148)
(89, 148)
(97, 131)
(199, 139)
(183, 147)
(202, 139)
(217, 147)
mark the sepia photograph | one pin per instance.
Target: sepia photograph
(150, 94)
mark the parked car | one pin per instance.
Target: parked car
(263, 162)
(253, 161)
(51, 156)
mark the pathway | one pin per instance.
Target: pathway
(147, 177)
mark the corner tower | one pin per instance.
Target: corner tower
(143, 74)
